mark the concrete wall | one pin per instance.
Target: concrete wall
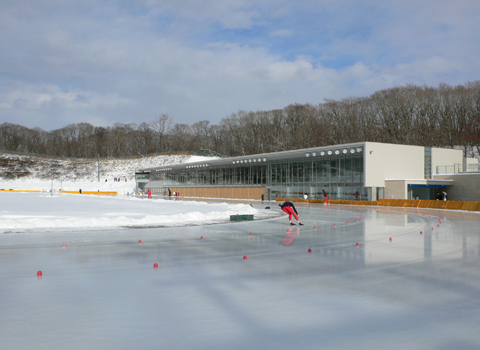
(387, 161)
(469, 161)
(396, 189)
(443, 156)
(466, 186)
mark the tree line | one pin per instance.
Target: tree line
(443, 116)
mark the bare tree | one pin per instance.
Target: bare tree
(162, 126)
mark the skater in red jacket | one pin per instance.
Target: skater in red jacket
(289, 208)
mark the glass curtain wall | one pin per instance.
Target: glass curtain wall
(340, 175)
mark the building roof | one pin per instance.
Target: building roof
(264, 157)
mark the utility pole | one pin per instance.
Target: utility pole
(98, 167)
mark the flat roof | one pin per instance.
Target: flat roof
(263, 157)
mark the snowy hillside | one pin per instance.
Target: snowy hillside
(21, 172)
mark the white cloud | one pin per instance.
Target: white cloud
(44, 96)
(109, 64)
(282, 32)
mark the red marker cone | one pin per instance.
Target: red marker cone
(63, 245)
(358, 244)
(391, 239)
(244, 257)
(201, 237)
(309, 250)
(139, 241)
(39, 273)
(250, 233)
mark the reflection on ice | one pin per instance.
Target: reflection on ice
(102, 290)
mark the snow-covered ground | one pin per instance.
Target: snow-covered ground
(42, 212)
(20, 172)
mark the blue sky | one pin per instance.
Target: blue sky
(101, 62)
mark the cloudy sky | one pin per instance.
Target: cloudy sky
(106, 61)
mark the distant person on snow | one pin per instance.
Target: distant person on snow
(289, 208)
(149, 194)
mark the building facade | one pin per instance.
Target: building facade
(360, 171)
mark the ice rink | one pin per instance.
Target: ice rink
(412, 282)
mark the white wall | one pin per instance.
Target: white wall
(389, 161)
(445, 156)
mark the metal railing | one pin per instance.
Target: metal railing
(457, 168)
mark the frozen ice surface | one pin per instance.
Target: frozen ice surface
(417, 291)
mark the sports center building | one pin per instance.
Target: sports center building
(355, 171)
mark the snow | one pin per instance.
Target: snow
(41, 212)
(25, 170)
(102, 291)
(21, 172)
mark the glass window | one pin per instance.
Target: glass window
(301, 172)
(341, 170)
(348, 171)
(334, 169)
(285, 173)
(307, 173)
(326, 171)
(357, 169)
(294, 168)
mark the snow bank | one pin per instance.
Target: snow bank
(40, 212)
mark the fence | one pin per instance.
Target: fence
(408, 203)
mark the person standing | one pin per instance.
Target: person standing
(290, 209)
(169, 192)
(444, 195)
(149, 193)
(325, 197)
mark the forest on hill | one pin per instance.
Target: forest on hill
(443, 116)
